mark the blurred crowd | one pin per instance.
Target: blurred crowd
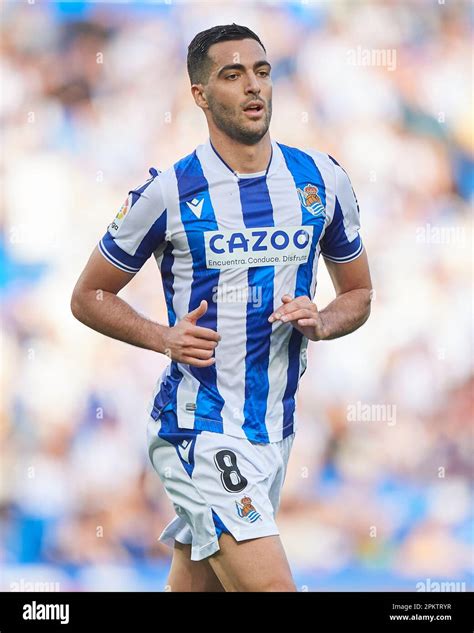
(93, 94)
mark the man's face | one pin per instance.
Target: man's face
(239, 90)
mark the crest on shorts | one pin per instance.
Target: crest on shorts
(246, 510)
(310, 199)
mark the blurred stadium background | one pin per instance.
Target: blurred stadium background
(93, 94)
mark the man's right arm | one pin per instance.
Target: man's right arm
(95, 303)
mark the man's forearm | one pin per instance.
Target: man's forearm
(346, 313)
(108, 314)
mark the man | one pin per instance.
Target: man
(236, 228)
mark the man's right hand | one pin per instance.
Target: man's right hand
(189, 343)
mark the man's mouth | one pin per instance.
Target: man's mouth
(254, 109)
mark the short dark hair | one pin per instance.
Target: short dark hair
(199, 63)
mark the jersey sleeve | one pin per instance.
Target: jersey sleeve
(138, 229)
(341, 241)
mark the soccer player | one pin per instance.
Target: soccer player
(236, 228)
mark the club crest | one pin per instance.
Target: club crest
(310, 199)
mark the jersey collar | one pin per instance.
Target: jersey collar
(217, 163)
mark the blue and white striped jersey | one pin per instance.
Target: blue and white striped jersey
(240, 242)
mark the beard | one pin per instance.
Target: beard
(226, 119)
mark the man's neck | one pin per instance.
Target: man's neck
(243, 159)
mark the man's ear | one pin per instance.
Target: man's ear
(199, 95)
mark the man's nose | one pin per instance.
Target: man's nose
(252, 84)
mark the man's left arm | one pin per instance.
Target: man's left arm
(347, 312)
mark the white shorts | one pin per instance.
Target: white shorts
(217, 483)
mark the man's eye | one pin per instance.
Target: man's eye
(232, 76)
(264, 73)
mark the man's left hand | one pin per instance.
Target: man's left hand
(303, 315)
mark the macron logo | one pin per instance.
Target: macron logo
(184, 449)
(196, 206)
